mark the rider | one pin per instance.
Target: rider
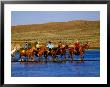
(26, 46)
(50, 45)
(60, 45)
(77, 45)
(37, 45)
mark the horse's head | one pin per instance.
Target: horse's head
(86, 45)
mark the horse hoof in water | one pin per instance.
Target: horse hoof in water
(71, 61)
(78, 62)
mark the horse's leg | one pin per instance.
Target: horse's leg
(53, 56)
(40, 58)
(53, 59)
(56, 57)
(21, 57)
(13, 56)
(64, 60)
(36, 53)
(32, 57)
(46, 56)
(29, 57)
(82, 57)
(60, 57)
(71, 56)
(65, 55)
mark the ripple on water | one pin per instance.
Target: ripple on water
(86, 69)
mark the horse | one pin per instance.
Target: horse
(13, 53)
(82, 50)
(60, 50)
(14, 49)
(53, 53)
(78, 51)
(42, 51)
(27, 53)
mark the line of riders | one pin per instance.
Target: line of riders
(38, 50)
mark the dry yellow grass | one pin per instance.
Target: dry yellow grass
(58, 31)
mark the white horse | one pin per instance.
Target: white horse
(14, 49)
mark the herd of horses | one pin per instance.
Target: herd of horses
(45, 52)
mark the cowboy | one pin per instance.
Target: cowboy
(77, 45)
(37, 45)
(60, 45)
(26, 46)
(50, 45)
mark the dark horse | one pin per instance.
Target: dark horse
(54, 52)
(78, 51)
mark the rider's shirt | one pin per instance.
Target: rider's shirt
(50, 46)
(37, 46)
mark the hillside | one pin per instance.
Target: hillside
(59, 31)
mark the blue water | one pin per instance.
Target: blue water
(86, 69)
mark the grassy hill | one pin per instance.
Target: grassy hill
(59, 31)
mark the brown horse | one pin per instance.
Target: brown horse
(53, 53)
(59, 51)
(62, 51)
(42, 51)
(80, 51)
(27, 53)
